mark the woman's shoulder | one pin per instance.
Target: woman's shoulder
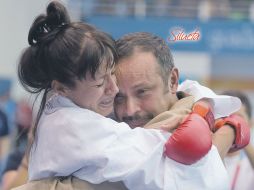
(60, 111)
(59, 106)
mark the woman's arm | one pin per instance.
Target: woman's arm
(249, 150)
(223, 139)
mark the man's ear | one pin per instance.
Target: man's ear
(59, 88)
(173, 80)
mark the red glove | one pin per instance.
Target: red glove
(190, 141)
(242, 130)
(204, 109)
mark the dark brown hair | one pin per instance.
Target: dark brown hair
(147, 42)
(62, 50)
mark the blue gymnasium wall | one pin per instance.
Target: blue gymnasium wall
(230, 44)
(217, 37)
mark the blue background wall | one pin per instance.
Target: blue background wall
(216, 36)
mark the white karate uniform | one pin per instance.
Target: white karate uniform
(79, 142)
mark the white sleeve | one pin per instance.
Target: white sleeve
(97, 149)
(91, 147)
(223, 105)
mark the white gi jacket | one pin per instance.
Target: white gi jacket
(79, 142)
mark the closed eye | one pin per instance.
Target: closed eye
(100, 85)
(141, 92)
(119, 98)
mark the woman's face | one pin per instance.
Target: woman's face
(96, 95)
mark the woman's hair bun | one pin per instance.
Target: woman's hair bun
(57, 16)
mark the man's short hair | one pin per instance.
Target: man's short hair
(147, 42)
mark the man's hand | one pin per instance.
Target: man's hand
(171, 119)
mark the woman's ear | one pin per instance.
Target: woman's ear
(173, 80)
(59, 88)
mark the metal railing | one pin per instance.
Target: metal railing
(200, 9)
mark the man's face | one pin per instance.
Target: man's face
(142, 92)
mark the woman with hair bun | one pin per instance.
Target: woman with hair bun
(72, 64)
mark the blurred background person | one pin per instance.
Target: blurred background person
(7, 120)
(240, 164)
(3, 133)
(15, 170)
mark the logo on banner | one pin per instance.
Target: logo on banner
(179, 34)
